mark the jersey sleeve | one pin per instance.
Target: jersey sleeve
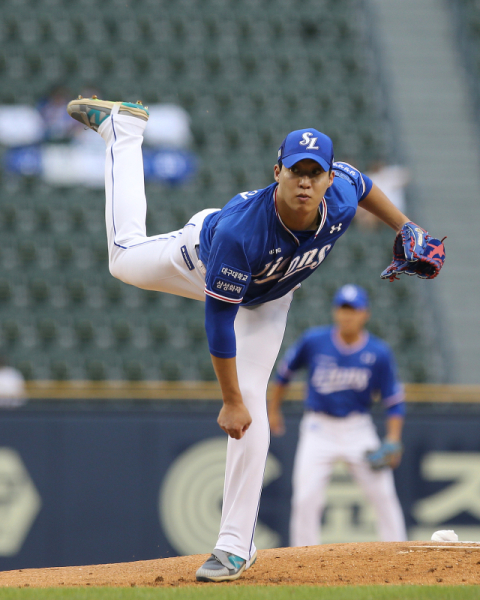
(228, 269)
(363, 183)
(220, 327)
(295, 358)
(391, 390)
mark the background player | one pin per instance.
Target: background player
(346, 366)
(244, 261)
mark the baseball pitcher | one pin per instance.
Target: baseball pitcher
(244, 261)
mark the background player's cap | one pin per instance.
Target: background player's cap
(306, 143)
(352, 295)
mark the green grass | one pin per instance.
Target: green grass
(390, 592)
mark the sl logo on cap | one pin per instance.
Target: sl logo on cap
(309, 141)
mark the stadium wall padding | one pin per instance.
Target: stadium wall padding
(95, 485)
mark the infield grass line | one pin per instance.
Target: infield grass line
(390, 592)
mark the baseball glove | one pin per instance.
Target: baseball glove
(415, 252)
(385, 456)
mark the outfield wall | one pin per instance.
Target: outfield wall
(99, 482)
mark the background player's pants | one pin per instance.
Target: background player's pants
(168, 263)
(323, 441)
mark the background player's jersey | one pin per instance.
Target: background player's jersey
(251, 257)
(342, 378)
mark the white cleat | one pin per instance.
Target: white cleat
(92, 112)
(223, 566)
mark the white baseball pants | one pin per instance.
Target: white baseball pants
(157, 263)
(323, 441)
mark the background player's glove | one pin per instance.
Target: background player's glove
(387, 455)
(415, 252)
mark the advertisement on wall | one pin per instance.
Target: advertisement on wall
(102, 486)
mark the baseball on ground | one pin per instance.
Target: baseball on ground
(445, 535)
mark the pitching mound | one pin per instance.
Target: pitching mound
(426, 563)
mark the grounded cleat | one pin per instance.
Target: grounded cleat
(93, 112)
(223, 566)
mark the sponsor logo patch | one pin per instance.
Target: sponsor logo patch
(346, 168)
(341, 175)
(233, 273)
(186, 258)
(228, 288)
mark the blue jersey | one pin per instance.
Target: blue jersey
(251, 257)
(341, 378)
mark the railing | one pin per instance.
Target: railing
(210, 390)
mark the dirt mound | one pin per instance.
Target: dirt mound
(425, 563)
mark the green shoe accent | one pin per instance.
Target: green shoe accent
(236, 561)
(132, 105)
(96, 117)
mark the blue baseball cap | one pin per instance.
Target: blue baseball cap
(306, 143)
(352, 295)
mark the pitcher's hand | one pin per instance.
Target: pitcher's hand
(234, 419)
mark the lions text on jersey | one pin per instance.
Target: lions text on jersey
(342, 378)
(251, 257)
